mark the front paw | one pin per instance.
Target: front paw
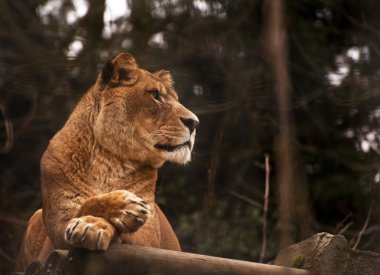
(89, 232)
(128, 213)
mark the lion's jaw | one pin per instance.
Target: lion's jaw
(179, 152)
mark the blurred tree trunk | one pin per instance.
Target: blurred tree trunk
(93, 22)
(292, 198)
(142, 22)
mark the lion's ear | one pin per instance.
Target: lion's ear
(120, 70)
(124, 60)
(165, 77)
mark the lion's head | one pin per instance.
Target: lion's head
(139, 116)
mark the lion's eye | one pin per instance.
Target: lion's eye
(155, 94)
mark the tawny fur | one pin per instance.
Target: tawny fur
(99, 172)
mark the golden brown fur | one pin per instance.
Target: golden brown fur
(98, 174)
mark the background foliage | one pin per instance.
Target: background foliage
(51, 52)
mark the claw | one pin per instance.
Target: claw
(141, 221)
(143, 211)
(128, 212)
(126, 226)
(84, 234)
(98, 238)
(69, 233)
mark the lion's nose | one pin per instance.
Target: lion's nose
(190, 123)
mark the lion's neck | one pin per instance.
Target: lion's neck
(112, 173)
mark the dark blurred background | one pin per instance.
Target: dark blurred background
(217, 50)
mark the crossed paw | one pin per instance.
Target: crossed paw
(120, 210)
(89, 232)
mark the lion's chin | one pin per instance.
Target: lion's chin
(180, 156)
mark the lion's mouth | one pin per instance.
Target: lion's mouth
(171, 148)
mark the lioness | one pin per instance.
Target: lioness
(99, 172)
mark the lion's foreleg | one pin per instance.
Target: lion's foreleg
(100, 217)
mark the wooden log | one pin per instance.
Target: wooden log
(35, 268)
(363, 262)
(322, 254)
(328, 254)
(57, 263)
(128, 259)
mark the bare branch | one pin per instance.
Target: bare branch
(266, 203)
(6, 257)
(8, 131)
(245, 198)
(341, 223)
(364, 227)
(12, 220)
(344, 229)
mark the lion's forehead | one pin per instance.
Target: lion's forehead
(155, 82)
